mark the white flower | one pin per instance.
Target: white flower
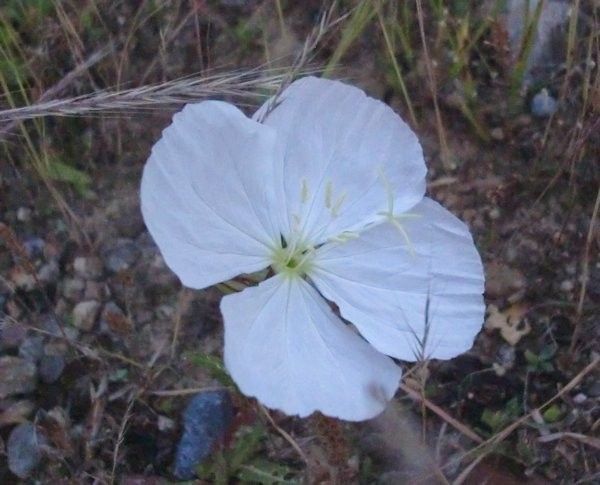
(328, 192)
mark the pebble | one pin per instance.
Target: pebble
(506, 355)
(21, 278)
(51, 368)
(73, 289)
(51, 325)
(502, 280)
(17, 376)
(85, 314)
(12, 334)
(32, 349)
(121, 257)
(34, 247)
(497, 134)
(205, 421)
(567, 286)
(543, 104)
(165, 424)
(594, 389)
(23, 214)
(114, 320)
(94, 290)
(24, 449)
(125, 216)
(49, 273)
(88, 268)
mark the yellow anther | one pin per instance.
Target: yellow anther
(345, 236)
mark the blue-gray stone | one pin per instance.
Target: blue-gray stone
(51, 367)
(34, 246)
(24, 449)
(543, 104)
(122, 257)
(205, 422)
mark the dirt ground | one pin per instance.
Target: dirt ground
(102, 349)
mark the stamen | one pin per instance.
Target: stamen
(394, 221)
(304, 194)
(345, 236)
(388, 190)
(328, 194)
(338, 204)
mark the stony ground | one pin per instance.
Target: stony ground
(108, 366)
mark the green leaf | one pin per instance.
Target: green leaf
(493, 419)
(531, 358)
(213, 366)
(65, 173)
(264, 472)
(225, 465)
(248, 443)
(552, 414)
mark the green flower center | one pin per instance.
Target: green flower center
(292, 261)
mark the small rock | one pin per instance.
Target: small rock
(51, 368)
(16, 412)
(49, 273)
(502, 281)
(24, 449)
(73, 289)
(165, 424)
(567, 286)
(165, 311)
(543, 104)
(88, 268)
(495, 213)
(114, 320)
(23, 214)
(34, 247)
(50, 324)
(17, 376)
(12, 334)
(594, 389)
(32, 349)
(205, 422)
(94, 290)
(506, 356)
(497, 134)
(21, 278)
(85, 314)
(122, 257)
(580, 398)
(125, 216)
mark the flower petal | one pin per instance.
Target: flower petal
(207, 191)
(284, 346)
(410, 300)
(346, 157)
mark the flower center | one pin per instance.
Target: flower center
(292, 260)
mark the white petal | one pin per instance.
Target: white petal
(346, 155)
(284, 346)
(206, 192)
(424, 301)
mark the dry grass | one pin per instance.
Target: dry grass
(435, 64)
